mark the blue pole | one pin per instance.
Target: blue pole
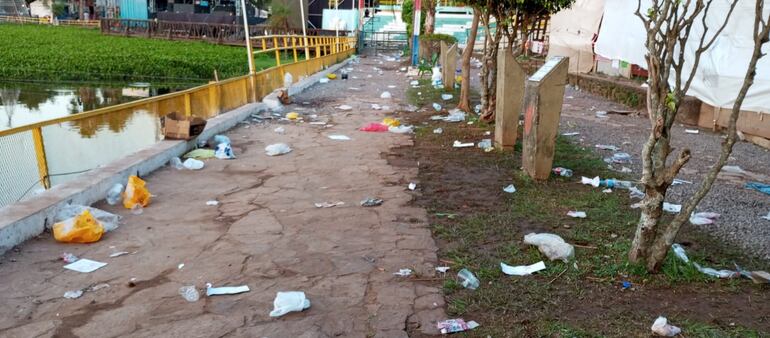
(416, 32)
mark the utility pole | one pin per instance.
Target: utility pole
(416, 31)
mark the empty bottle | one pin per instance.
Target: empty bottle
(468, 280)
(189, 293)
(613, 183)
(113, 195)
(176, 162)
(564, 172)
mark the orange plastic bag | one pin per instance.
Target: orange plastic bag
(83, 228)
(135, 193)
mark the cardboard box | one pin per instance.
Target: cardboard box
(177, 126)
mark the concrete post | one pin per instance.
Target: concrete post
(449, 66)
(543, 98)
(510, 93)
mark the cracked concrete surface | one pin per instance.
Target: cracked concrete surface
(265, 233)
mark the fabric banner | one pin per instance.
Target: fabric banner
(722, 68)
(572, 31)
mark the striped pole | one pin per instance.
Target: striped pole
(416, 31)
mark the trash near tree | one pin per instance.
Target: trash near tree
(552, 246)
(522, 270)
(291, 301)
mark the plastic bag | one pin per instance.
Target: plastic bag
(136, 193)
(224, 151)
(288, 79)
(374, 127)
(553, 246)
(109, 221)
(193, 164)
(277, 149)
(385, 95)
(83, 228)
(286, 302)
(391, 122)
(661, 328)
(401, 129)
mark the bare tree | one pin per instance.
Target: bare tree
(465, 86)
(430, 16)
(488, 74)
(668, 24)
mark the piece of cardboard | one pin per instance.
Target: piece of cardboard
(177, 126)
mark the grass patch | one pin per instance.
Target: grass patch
(478, 226)
(76, 54)
(426, 94)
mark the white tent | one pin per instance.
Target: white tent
(40, 9)
(572, 31)
(722, 68)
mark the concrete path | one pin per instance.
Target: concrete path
(265, 233)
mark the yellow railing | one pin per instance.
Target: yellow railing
(311, 45)
(204, 101)
(48, 21)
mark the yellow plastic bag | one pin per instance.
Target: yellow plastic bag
(331, 76)
(136, 193)
(292, 116)
(83, 228)
(391, 122)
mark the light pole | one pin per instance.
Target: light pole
(304, 29)
(248, 38)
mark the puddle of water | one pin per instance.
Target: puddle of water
(75, 147)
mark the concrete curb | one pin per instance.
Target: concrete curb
(24, 220)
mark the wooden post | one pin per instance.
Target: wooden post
(510, 93)
(543, 98)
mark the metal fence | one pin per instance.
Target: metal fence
(42, 154)
(212, 32)
(48, 21)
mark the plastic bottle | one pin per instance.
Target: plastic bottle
(189, 293)
(113, 195)
(176, 162)
(564, 172)
(467, 279)
(613, 183)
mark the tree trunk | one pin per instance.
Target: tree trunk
(430, 17)
(489, 81)
(465, 86)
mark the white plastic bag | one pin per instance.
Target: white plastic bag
(401, 129)
(553, 246)
(277, 149)
(108, 220)
(385, 95)
(193, 164)
(224, 152)
(661, 328)
(436, 75)
(288, 79)
(286, 302)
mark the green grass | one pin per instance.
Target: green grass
(426, 94)
(480, 238)
(29, 52)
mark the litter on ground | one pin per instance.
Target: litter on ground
(289, 301)
(522, 270)
(455, 325)
(552, 246)
(225, 290)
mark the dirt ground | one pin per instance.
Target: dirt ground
(265, 233)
